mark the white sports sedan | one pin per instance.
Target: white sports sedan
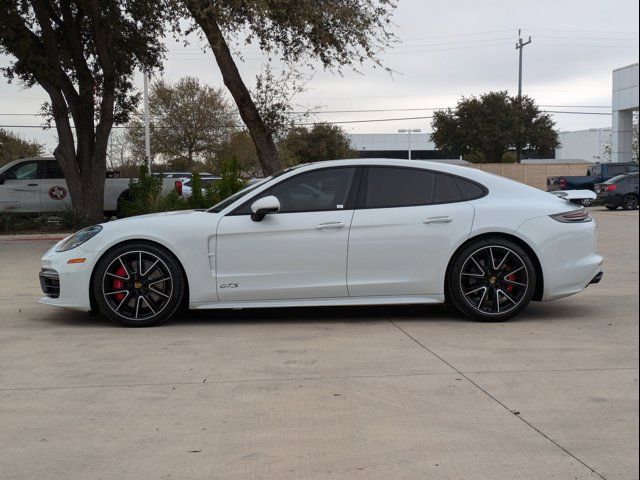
(344, 232)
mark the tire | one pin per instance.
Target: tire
(134, 296)
(611, 207)
(491, 279)
(630, 202)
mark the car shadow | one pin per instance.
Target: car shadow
(535, 312)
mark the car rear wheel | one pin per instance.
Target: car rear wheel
(491, 279)
(630, 202)
(138, 285)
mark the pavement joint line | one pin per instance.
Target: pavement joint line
(222, 382)
(487, 393)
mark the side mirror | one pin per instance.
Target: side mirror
(264, 205)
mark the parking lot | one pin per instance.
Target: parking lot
(376, 393)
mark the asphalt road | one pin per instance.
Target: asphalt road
(376, 393)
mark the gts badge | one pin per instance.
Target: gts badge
(229, 285)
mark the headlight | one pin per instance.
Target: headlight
(79, 238)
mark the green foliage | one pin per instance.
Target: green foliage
(145, 196)
(230, 183)
(13, 147)
(189, 121)
(485, 128)
(321, 142)
(197, 198)
(73, 219)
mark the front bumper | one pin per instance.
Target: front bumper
(67, 284)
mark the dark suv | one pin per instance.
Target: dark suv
(620, 191)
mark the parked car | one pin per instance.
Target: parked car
(597, 173)
(187, 184)
(415, 232)
(620, 191)
(36, 185)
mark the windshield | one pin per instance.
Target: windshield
(217, 208)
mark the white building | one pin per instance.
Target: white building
(586, 145)
(625, 102)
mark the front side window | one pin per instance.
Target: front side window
(318, 190)
(23, 171)
(632, 168)
(616, 170)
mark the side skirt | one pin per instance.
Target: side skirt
(323, 302)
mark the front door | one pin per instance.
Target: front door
(299, 252)
(54, 194)
(20, 191)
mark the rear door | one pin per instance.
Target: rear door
(403, 229)
(20, 191)
(54, 195)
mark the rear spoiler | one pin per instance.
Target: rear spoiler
(575, 195)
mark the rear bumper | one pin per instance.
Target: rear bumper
(567, 253)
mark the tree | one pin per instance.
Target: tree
(83, 53)
(189, 121)
(13, 147)
(333, 33)
(485, 128)
(323, 141)
(240, 149)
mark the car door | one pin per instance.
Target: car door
(54, 195)
(406, 222)
(299, 252)
(20, 190)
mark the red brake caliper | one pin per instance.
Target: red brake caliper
(512, 278)
(118, 284)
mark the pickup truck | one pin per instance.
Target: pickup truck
(597, 173)
(37, 185)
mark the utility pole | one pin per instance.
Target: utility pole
(409, 131)
(147, 139)
(520, 47)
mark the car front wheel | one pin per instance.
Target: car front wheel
(138, 285)
(491, 279)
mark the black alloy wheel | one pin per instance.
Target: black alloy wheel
(138, 285)
(492, 279)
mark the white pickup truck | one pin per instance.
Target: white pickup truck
(35, 185)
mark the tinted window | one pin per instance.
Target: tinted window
(633, 179)
(22, 171)
(445, 190)
(615, 169)
(469, 190)
(52, 170)
(396, 187)
(632, 168)
(319, 190)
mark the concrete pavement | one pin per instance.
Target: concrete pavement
(374, 393)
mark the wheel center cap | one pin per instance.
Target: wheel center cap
(138, 285)
(492, 280)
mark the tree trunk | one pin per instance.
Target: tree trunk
(260, 133)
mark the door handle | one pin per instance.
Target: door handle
(32, 184)
(324, 226)
(437, 220)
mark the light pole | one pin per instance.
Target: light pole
(147, 140)
(409, 131)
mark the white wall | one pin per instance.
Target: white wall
(626, 92)
(585, 145)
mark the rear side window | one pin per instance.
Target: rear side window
(446, 190)
(469, 190)
(53, 170)
(632, 168)
(388, 187)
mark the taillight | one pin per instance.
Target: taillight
(178, 185)
(562, 183)
(574, 216)
(611, 188)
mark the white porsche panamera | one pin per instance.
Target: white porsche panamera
(344, 232)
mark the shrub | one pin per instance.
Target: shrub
(145, 196)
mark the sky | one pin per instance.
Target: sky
(446, 50)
